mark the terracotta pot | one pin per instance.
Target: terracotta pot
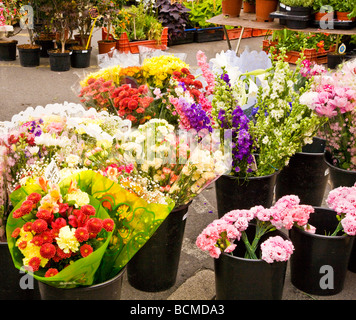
(106, 46)
(249, 8)
(319, 15)
(231, 8)
(264, 8)
(343, 16)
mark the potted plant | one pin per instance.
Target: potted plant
(142, 28)
(322, 8)
(63, 14)
(45, 36)
(264, 8)
(175, 16)
(108, 11)
(29, 53)
(9, 16)
(249, 250)
(231, 8)
(85, 16)
(199, 13)
(249, 6)
(345, 10)
(328, 230)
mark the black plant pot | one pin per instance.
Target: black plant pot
(154, 267)
(237, 278)
(8, 50)
(80, 58)
(108, 290)
(59, 61)
(11, 279)
(319, 262)
(306, 175)
(342, 178)
(339, 177)
(335, 59)
(29, 57)
(45, 45)
(241, 193)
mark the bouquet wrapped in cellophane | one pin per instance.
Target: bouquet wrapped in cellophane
(81, 231)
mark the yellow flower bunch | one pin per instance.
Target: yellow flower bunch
(158, 70)
(109, 73)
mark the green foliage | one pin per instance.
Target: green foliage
(139, 23)
(296, 41)
(202, 11)
(298, 3)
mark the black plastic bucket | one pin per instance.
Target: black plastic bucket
(108, 290)
(59, 61)
(8, 50)
(29, 57)
(237, 278)
(11, 278)
(80, 58)
(306, 175)
(154, 267)
(319, 262)
(339, 177)
(45, 45)
(243, 193)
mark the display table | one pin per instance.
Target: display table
(248, 20)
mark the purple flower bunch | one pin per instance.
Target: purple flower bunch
(242, 141)
(197, 117)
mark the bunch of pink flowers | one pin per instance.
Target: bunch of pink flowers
(343, 201)
(334, 97)
(219, 236)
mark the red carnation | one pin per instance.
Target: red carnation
(18, 213)
(48, 250)
(27, 227)
(39, 225)
(22, 245)
(37, 240)
(94, 225)
(86, 250)
(34, 263)
(88, 210)
(34, 197)
(108, 224)
(185, 71)
(58, 223)
(27, 206)
(16, 233)
(61, 254)
(51, 272)
(133, 104)
(44, 214)
(81, 234)
(47, 236)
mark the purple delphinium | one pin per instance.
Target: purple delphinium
(242, 146)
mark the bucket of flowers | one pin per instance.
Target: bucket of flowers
(250, 250)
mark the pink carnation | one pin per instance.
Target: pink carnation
(276, 249)
(349, 224)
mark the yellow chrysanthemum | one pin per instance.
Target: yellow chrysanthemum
(158, 70)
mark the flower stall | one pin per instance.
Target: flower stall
(93, 190)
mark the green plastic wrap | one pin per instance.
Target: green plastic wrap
(135, 222)
(80, 273)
